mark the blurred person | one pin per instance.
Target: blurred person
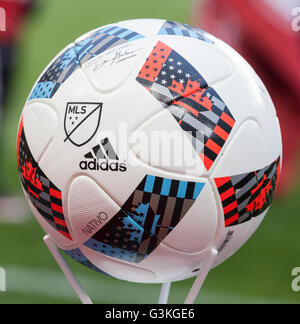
(261, 31)
(15, 13)
(11, 208)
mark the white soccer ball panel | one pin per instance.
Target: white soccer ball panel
(197, 230)
(243, 91)
(43, 123)
(232, 239)
(160, 143)
(89, 208)
(247, 150)
(147, 27)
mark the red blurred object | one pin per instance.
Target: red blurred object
(15, 11)
(261, 32)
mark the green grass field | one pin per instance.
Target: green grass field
(259, 273)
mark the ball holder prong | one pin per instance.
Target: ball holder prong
(85, 299)
(208, 263)
(207, 266)
(164, 293)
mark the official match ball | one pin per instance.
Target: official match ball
(129, 209)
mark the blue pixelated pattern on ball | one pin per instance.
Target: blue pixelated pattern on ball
(178, 29)
(111, 251)
(152, 211)
(68, 62)
(78, 256)
(42, 90)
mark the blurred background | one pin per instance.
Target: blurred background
(262, 32)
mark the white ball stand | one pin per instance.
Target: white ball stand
(165, 289)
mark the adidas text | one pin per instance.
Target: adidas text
(103, 166)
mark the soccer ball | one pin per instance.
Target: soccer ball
(123, 210)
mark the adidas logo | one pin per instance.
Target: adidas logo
(105, 152)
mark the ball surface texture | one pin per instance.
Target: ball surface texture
(108, 196)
